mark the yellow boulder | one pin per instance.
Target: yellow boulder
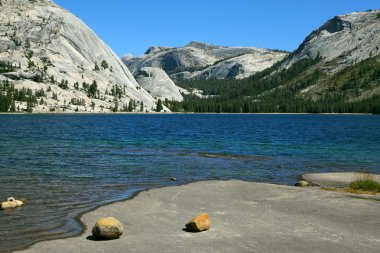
(199, 224)
(11, 203)
(107, 228)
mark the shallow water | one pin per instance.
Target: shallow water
(65, 165)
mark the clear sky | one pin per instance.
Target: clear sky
(131, 26)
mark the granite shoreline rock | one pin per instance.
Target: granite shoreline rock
(11, 203)
(246, 216)
(336, 179)
(302, 183)
(199, 224)
(107, 228)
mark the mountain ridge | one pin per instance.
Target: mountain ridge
(197, 60)
(342, 36)
(50, 61)
(335, 69)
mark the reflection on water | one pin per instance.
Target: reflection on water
(65, 165)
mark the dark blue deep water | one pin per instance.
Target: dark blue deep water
(65, 165)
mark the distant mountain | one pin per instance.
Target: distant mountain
(203, 61)
(335, 69)
(57, 64)
(50, 61)
(349, 46)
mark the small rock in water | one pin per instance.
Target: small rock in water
(302, 183)
(11, 203)
(173, 179)
(107, 228)
(199, 224)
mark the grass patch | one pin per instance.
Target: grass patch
(365, 184)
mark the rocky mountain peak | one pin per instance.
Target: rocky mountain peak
(202, 46)
(348, 39)
(336, 25)
(127, 57)
(155, 49)
(23, 2)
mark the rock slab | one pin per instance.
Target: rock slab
(336, 179)
(302, 183)
(246, 217)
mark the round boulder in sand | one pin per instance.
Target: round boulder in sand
(107, 228)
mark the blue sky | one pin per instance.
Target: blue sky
(132, 26)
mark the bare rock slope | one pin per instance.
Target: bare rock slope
(203, 61)
(158, 84)
(51, 50)
(345, 39)
(349, 49)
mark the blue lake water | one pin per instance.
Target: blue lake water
(64, 165)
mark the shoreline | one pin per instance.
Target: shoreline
(84, 219)
(308, 177)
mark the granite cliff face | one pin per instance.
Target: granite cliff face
(349, 48)
(347, 39)
(158, 84)
(203, 61)
(50, 49)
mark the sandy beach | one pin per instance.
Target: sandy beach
(246, 217)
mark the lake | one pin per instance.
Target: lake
(64, 165)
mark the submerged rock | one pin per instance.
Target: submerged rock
(11, 203)
(199, 224)
(107, 228)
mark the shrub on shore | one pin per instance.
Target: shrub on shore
(366, 183)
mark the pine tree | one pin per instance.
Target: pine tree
(116, 108)
(104, 64)
(130, 106)
(92, 89)
(142, 106)
(96, 67)
(159, 106)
